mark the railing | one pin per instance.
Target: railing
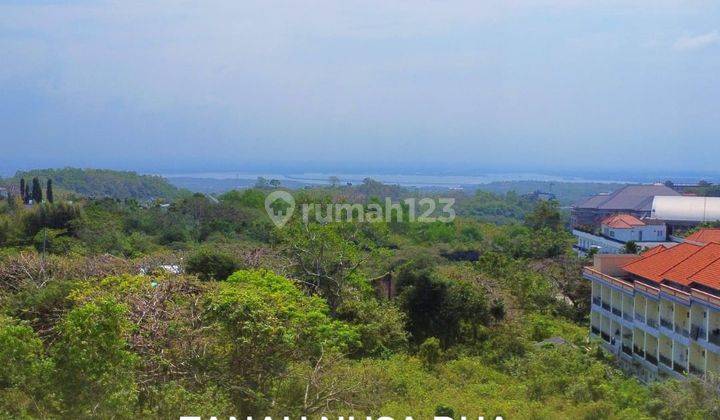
(627, 349)
(652, 359)
(616, 311)
(667, 324)
(697, 332)
(665, 361)
(696, 370)
(638, 351)
(627, 316)
(682, 331)
(679, 367)
(639, 317)
(597, 301)
(652, 322)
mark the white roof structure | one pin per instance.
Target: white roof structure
(686, 209)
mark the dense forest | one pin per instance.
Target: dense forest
(114, 308)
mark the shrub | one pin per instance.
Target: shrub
(208, 264)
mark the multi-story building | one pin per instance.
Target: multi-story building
(659, 312)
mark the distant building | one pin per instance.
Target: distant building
(626, 228)
(659, 312)
(636, 200)
(684, 211)
(617, 230)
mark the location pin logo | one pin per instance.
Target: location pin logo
(280, 206)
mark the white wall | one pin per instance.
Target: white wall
(650, 233)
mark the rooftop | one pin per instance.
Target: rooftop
(653, 266)
(622, 221)
(704, 236)
(686, 209)
(630, 197)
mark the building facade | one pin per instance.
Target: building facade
(659, 312)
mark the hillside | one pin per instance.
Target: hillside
(102, 183)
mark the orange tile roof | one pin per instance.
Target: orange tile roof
(705, 236)
(708, 276)
(654, 266)
(696, 262)
(652, 251)
(622, 221)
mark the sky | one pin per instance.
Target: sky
(466, 86)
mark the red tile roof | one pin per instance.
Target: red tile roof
(652, 251)
(622, 221)
(696, 262)
(705, 236)
(708, 276)
(653, 266)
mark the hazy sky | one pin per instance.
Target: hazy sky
(511, 84)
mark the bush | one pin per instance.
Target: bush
(94, 365)
(26, 372)
(430, 352)
(208, 264)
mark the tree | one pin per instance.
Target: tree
(546, 214)
(275, 183)
(49, 192)
(326, 257)
(23, 190)
(36, 191)
(451, 311)
(266, 323)
(631, 247)
(26, 194)
(95, 368)
(334, 181)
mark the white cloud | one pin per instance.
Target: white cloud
(689, 43)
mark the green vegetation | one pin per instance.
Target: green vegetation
(113, 309)
(96, 183)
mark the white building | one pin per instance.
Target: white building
(617, 230)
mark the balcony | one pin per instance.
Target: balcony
(714, 338)
(679, 367)
(639, 317)
(665, 361)
(605, 337)
(666, 324)
(616, 311)
(697, 332)
(682, 331)
(606, 306)
(595, 330)
(627, 350)
(597, 301)
(696, 370)
(637, 350)
(627, 317)
(652, 322)
(650, 358)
